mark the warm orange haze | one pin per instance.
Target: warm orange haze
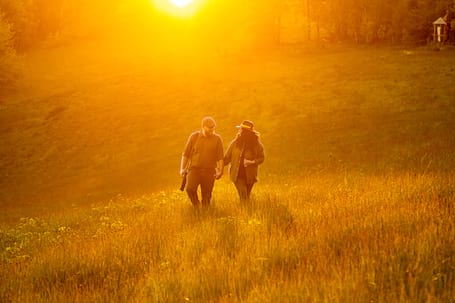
(178, 8)
(354, 107)
(181, 3)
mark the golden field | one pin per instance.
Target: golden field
(354, 203)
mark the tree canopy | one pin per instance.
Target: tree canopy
(26, 24)
(361, 21)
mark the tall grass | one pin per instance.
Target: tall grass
(317, 238)
(355, 201)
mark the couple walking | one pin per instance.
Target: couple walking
(203, 160)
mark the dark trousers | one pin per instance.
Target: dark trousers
(243, 189)
(206, 179)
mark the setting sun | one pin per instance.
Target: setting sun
(180, 8)
(181, 3)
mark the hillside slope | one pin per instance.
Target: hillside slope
(97, 120)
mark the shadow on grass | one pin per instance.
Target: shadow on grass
(272, 211)
(191, 215)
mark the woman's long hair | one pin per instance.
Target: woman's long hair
(247, 139)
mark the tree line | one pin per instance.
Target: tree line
(25, 24)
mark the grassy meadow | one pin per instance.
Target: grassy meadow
(354, 203)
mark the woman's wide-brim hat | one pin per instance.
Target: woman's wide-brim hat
(247, 124)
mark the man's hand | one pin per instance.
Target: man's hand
(182, 172)
(218, 174)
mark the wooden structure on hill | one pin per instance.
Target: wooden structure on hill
(440, 31)
(444, 28)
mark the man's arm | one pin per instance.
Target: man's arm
(220, 162)
(228, 155)
(183, 165)
(219, 169)
(187, 151)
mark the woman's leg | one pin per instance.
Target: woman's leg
(249, 187)
(242, 190)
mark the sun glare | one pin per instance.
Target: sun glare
(181, 8)
(181, 3)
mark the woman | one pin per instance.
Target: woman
(244, 154)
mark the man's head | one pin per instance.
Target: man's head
(208, 126)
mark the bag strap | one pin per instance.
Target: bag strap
(198, 135)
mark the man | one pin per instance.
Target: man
(202, 159)
(245, 153)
